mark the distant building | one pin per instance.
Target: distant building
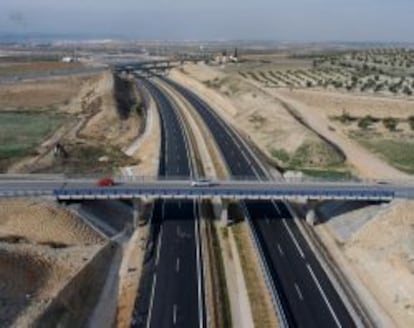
(68, 59)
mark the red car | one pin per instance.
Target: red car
(106, 182)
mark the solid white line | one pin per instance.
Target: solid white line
(154, 283)
(277, 207)
(199, 280)
(323, 295)
(298, 291)
(159, 247)
(292, 236)
(280, 249)
(174, 314)
(177, 265)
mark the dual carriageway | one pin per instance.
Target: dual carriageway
(172, 285)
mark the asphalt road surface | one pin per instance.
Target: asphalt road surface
(171, 290)
(307, 295)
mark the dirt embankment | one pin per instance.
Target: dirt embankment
(379, 250)
(318, 107)
(42, 248)
(118, 112)
(103, 118)
(267, 122)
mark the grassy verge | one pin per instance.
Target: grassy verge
(399, 154)
(89, 159)
(328, 174)
(220, 295)
(22, 132)
(261, 311)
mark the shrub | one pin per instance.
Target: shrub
(281, 155)
(365, 122)
(411, 122)
(390, 123)
(346, 118)
(408, 91)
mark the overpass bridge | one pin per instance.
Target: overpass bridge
(144, 188)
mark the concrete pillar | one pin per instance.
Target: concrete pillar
(220, 208)
(311, 217)
(136, 211)
(224, 215)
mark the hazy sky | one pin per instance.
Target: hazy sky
(297, 20)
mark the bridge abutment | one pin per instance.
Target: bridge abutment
(137, 210)
(221, 210)
(311, 217)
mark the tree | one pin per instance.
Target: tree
(390, 123)
(365, 122)
(407, 91)
(411, 122)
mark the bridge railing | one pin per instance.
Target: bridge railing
(235, 179)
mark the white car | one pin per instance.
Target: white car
(201, 183)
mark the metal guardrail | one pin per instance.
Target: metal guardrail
(225, 193)
(136, 178)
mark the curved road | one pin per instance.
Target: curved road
(171, 290)
(307, 295)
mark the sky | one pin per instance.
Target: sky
(287, 20)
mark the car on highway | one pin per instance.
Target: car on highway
(202, 183)
(106, 182)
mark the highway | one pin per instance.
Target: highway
(171, 289)
(299, 282)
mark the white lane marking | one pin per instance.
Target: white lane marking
(292, 236)
(159, 247)
(315, 279)
(175, 314)
(154, 283)
(280, 250)
(277, 208)
(199, 263)
(298, 291)
(177, 265)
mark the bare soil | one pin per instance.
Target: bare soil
(41, 95)
(265, 121)
(380, 252)
(36, 67)
(41, 248)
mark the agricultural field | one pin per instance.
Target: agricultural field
(15, 68)
(390, 138)
(21, 132)
(378, 71)
(91, 118)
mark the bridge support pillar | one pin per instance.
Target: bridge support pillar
(224, 215)
(221, 209)
(311, 217)
(138, 205)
